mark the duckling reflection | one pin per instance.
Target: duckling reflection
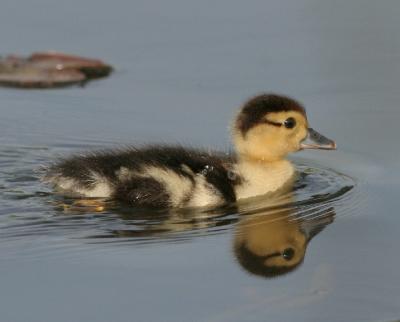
(158, 224)
(269, 242)
(272, 243)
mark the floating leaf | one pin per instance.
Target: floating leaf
(49, 69)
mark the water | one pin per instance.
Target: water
(182, 69)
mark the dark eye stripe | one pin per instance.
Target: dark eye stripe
(272, 123)
(265, 257)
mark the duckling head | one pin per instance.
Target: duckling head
(269, 126)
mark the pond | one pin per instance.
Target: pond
(182, 70)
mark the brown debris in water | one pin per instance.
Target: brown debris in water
(50, 69)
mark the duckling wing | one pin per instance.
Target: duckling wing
(152, 176)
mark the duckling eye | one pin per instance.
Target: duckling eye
(290, 123)
(288, 253)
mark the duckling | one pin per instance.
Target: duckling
(267, 128)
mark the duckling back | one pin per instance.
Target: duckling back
(151, 177)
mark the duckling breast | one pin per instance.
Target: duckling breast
(259, 178)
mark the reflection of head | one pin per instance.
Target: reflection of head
(258, 264)
(274, 243)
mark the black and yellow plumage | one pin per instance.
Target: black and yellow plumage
(266, 129)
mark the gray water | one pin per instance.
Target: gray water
(182, 70)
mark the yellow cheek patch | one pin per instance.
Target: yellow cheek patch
(269, 139)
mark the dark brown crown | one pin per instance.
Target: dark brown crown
(254, 111)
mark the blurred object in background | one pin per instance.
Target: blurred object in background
(50, 69)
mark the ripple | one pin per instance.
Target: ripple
(30, 210)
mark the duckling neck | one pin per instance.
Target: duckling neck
(260, 176)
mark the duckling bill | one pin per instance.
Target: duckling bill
(267, 128)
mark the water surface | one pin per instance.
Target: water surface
(183, 68)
